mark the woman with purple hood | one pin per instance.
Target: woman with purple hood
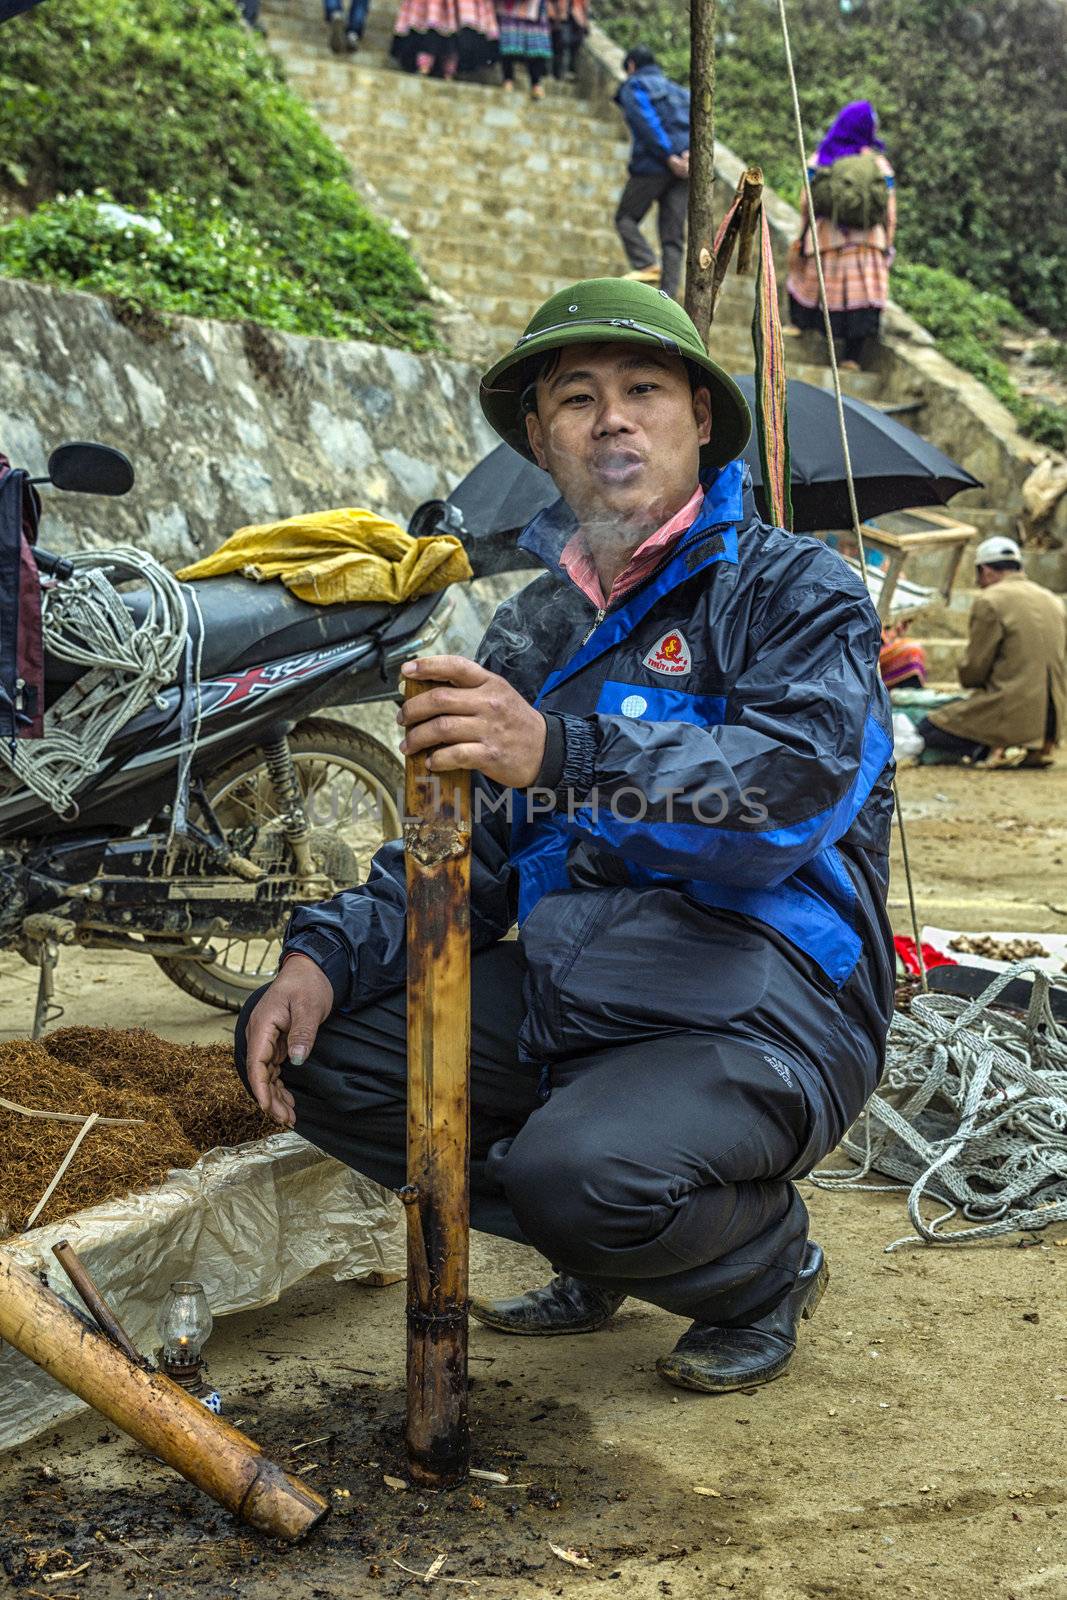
(853, 192)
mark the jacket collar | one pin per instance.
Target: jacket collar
(728, 499)
(653, 70)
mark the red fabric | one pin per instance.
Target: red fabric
(578, 563)
(905, 948)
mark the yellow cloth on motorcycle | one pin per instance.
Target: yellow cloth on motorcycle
(343, 555)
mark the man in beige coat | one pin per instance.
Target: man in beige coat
(1015, 666)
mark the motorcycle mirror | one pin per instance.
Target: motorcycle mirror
(436, 516)
(85, 468)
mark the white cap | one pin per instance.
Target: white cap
(997, 549)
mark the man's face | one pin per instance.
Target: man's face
(620, 430)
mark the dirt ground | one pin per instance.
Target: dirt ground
(915, 1448)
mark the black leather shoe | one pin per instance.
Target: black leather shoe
(715, 1360)
(566, 1305)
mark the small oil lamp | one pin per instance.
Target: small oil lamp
(185, 1324)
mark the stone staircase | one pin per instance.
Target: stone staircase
(503, 200)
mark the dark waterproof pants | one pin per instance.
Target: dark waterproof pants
(659, 1168)
(950, 744)
(672, 195)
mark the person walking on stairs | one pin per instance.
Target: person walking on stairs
(569, 24)
(853, 191)
(438, 38)
(1015, 667)
(683, 758)
(346, 32)
(657, 114)
(525, 38)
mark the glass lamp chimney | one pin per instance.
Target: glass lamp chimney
(184, 1324)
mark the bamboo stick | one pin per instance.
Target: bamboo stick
(150, 1408)
(437, 842)
(740, 232)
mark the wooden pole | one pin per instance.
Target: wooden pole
(437, 843)
(700, 251)
(94, 1301)
(151, 1409)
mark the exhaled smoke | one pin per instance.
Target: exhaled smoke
(505, 635)
(614, 535)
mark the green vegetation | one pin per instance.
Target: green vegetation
(968, 324)
(172, 109)
(971, 95)
(972, 100)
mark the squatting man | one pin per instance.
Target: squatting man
(696, 1006)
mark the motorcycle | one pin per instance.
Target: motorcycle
(279, 805)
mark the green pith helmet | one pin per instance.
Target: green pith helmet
(616, 309)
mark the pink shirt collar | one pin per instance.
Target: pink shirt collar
(580, 567)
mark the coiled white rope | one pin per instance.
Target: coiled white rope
(977, 1118)
(85, 621)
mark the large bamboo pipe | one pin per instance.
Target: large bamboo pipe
(150, 1408)
(437, 844)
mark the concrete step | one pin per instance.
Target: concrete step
(430, 97)
(509, 193)
(576, 194)
(361, 102)
(378, 75)
(533, 157)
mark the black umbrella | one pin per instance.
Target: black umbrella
(892, 467)
(498, 498)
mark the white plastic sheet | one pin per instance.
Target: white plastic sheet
(248, 1223)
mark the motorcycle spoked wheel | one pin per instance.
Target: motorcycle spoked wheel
(353, 788)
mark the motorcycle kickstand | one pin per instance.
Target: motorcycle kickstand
(45, 1010)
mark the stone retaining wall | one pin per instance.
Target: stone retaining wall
(226, 425)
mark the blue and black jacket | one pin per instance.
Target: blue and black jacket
(657, 114)
(719, 758)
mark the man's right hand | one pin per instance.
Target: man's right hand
(679, 164)
(283, 1026)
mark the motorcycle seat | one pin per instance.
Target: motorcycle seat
(246, 623)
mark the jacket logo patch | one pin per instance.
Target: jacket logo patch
(669, 655)
(778, 1065)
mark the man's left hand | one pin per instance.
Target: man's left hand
(472, 718)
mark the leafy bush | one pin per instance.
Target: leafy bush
(972, 97)
(177, 108)
(198, 264)
(968, 324)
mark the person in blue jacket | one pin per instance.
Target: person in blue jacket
(683, 753)
(657, 115)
